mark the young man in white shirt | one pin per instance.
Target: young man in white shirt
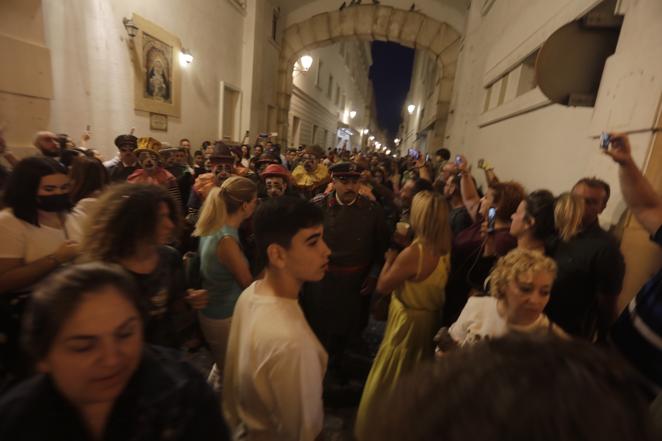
(274, 364)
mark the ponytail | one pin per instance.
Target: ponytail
(223, 201)
(213, 214)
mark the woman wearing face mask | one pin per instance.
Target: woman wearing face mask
(34, 239)
(520, 286)
(224, 269)
(97, 379)
(131, 226)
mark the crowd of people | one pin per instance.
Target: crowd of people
(500, 305)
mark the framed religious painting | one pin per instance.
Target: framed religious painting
(157, 72)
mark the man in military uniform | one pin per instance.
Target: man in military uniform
(355, 230)
(122, 166)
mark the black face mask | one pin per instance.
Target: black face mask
(54, 203)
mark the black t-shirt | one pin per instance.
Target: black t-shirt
(166, 399)
(163, 291)
(459, 219)
(589, 265)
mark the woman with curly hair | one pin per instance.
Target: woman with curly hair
(131, 226)
(520, 286)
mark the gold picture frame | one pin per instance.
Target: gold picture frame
(157, 85)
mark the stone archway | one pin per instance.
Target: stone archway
(370, 22)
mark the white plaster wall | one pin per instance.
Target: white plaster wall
(92, 71)
(265, 68)
(551, 147)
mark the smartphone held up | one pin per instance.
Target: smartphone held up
(491, 219)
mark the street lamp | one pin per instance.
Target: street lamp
(396, 141)
(303, 64)
(388, 152)
(352, 113)
(306, 62)
(185, 57)
(411, 108)
(366, 131)
(371, 138)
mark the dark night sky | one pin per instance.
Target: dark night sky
(390, 73)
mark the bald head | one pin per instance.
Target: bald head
(46, 142)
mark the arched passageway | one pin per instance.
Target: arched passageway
(372, 23)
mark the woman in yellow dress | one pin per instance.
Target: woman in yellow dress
(417, 278)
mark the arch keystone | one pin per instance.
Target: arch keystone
(382, 20)
(411, 28)
(395, 25)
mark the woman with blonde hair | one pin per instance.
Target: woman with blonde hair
(568, 214)
(417, 278)
(224, 269)
(520, 287)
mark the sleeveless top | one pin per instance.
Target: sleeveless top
(427, 294)
(217, 279)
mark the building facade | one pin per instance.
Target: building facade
(332, 102)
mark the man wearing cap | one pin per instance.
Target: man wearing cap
(311, 176)
(123, 165)
(355, 231)
(151, 170)
(276, 180)
(222, 167)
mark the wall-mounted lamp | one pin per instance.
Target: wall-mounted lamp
(352, 113)
(303, 64)
(185, 57)
(411, 108)
(130, 27)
